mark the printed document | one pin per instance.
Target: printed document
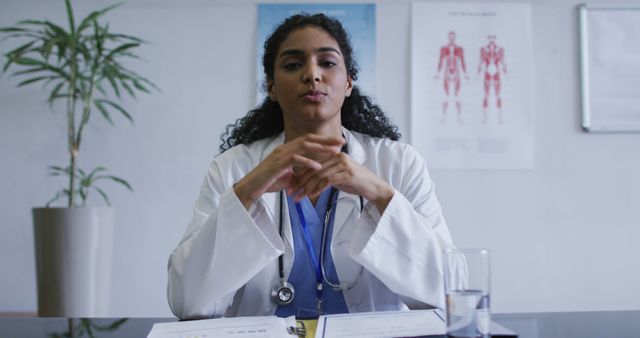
(381, 324)
(253, 327)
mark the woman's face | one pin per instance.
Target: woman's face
(310, 79)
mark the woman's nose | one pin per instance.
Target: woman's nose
(312, 73)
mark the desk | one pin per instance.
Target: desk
(592, 324)
(527, 325)
(132, 328)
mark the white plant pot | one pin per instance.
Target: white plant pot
(74, 249)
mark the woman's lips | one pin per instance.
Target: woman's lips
(314, 96)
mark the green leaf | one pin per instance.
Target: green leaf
(49, 80)
(113, 84)
(101, 89)
(91, 175)
(128, 74)
(85, 51)
(115, 179)
(119, 108)
(93, 16)
(36, 35)
(143, 79)
(32, 22)
(35, 79)
(105, 198)
(19, 59)
(99, 41)
(14, 29)
(46, 49)
(115, 70)
(33, 62)
(87, 325)
(128, 88)
(58, 169)
(29, 71)
(55, 92)
(139, 85)
(60, 33)
(116, 37)
(7, 65)
(72, 28)
(103, 111)
(18, 51)
(131, 55)
(83, 193)
(111, 327)
(57, 196)
(121, 181)
(121, 49)
(62, 48)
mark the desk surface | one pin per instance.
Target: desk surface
(527, 325)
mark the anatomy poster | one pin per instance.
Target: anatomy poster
(359, 20)
(471, 85)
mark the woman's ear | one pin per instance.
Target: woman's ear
(271, 91)
(347, 92)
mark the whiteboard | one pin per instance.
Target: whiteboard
(610, 68)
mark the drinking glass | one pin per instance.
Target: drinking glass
(467, 285)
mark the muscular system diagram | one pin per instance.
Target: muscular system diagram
(452, 61)
(491, 66)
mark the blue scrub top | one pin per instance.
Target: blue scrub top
(303, 275)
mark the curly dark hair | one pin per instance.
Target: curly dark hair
(358, 112)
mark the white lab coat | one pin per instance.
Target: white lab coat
(227, 261)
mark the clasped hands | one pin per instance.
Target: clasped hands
(306, 166)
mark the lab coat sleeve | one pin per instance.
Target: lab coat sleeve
(405, 248)
(223, 248)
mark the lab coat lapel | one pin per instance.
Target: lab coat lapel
(278, 140)
(356, 148)
(272, 199)
(288, 236)
(348, 203)
(272, 202)
(347, 209)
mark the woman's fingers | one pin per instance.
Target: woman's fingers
(312, 182)
(308, 147)
(299, 160)
(275, 171)
(314, 145)
(281, 182)
(324, 140)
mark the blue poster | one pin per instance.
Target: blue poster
(359, 20)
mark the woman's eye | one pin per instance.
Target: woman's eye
(292, 65)
(327, 63)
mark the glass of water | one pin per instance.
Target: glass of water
(467, 284)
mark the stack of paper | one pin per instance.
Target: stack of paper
(255, 327)
(415, 323)
(381, 324)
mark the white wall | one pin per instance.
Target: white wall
(563, 235)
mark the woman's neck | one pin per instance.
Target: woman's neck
(328, 129)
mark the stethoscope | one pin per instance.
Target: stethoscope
(284, 292)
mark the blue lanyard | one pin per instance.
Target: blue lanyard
(311, 251)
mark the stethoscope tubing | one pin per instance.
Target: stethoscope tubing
(323, 243)
(284, 285)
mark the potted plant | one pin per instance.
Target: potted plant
(81, 66)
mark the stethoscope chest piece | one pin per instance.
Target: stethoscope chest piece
(283, 294)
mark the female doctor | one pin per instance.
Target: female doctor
(312, 207)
